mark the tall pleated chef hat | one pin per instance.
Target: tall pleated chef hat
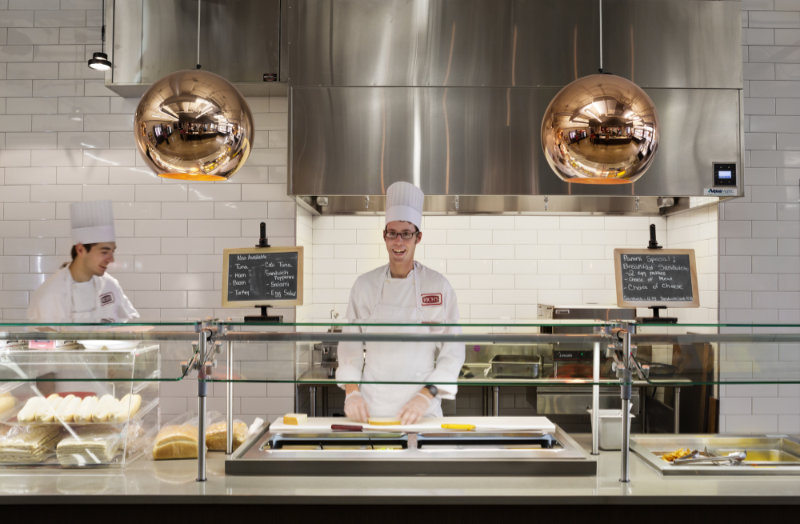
(92, 222)
(404, 202)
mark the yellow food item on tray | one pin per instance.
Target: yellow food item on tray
(678, 453)
(295, 419)
(383, 421)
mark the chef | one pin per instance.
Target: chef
(401, 292)
(82, 291)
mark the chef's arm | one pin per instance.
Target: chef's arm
(350, 354)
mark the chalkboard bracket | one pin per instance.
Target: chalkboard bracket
(656, 319)
(263, 317)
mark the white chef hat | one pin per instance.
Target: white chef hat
(92, 222)
(404, 202)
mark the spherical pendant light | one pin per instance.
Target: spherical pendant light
(193, 125)
(600, 129)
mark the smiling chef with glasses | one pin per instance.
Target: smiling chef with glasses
(401, 292)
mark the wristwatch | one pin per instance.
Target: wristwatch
(433, 390)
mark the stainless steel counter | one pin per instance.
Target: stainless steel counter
(173, 482)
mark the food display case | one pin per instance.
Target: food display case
(78, 396)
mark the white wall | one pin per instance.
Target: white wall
(759, 235)
(501, 267)
(64, 137)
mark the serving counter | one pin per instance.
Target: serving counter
(619, 477)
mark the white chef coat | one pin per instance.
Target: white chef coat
(52, 302)
(423, 297)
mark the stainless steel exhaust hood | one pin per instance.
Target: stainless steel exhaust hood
(449, 95)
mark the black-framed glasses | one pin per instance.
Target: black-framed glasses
(405, 235)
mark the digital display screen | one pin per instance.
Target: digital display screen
(724, 174)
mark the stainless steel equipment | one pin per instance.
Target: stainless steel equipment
(515, 366)
(452, 99)
(425, 453)
(763, 455)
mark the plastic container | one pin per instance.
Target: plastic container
(610, 434)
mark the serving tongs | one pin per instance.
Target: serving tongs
(731, 459)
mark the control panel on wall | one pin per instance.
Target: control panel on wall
(724, 174)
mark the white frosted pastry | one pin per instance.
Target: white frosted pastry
(31, 408)
(86, 409)
(128, 406)
(48, 411)
(7, 401)
(105, 409)
(68, 408)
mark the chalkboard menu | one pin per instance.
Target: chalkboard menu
(270, 276)
(656, 277)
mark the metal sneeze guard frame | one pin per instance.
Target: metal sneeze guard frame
(620, 339)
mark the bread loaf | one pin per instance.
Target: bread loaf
(217, 435)
(175, 442)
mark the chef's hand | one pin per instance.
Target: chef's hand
(415, 408)
(355, 407)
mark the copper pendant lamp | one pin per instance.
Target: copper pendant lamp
(600, 129)
(194, 125)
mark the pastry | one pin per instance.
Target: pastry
(85, 410)
(47, 413)
(25, 444)
(217, 435)
(90, 445)
(7, 402)
(128, 406)
(67, 408)
(174, 442)
(31, 408)
(105, 408)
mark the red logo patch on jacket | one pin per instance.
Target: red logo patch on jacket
(431, 299)
(106, 299)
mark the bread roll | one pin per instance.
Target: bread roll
(128, 406)
(48, 411)
(31, 408)
(86, 409)
(105, 409)
(175, 442)
(7, 401)
(67, 408)
(217, 435)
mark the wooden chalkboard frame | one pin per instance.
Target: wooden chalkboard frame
(226, 254)
(621, 302)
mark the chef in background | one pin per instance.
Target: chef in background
(82, 291)
(401, 292)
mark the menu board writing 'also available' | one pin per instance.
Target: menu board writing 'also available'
(664, 277)
(262, 276)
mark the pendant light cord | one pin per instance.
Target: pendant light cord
(198, 34)
(601, 35)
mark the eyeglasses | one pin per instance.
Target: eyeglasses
(405, 235)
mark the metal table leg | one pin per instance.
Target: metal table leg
(677, 410)
(496, 401)
(229, 397)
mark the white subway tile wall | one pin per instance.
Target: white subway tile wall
(501, 267)
(65, 137)
(759, 251)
